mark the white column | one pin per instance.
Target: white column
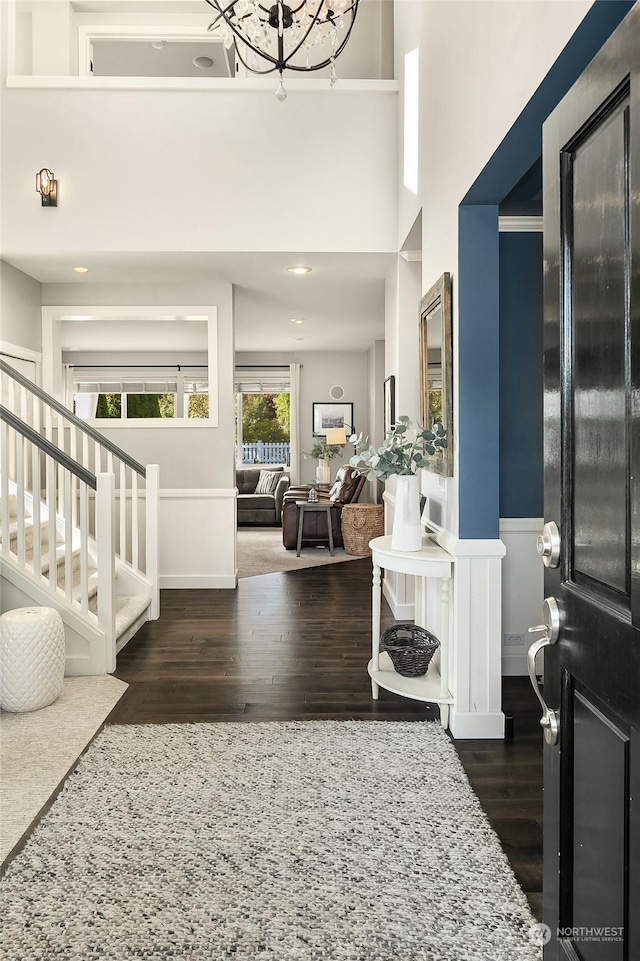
(477, 664)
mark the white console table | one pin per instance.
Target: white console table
(431, 561)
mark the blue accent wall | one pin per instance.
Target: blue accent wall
(478, 437)
(521, 375)
(478, 371)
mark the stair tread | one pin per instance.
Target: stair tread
(129, 607)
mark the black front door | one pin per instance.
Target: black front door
(592, 493)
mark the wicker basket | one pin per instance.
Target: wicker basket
(410, 648)
(361, 523)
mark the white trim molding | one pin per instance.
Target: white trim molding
(520, 225)
(20, 353)
(192, 581)
(203, 84)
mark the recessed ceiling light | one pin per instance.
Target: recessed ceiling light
(297, 320)
(81, 270)
(205, 63)
(298, 339)
(300, 269)
(158, 44)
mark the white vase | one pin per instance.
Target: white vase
(407, 530)
(323, 471)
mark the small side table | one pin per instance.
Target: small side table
(431, 561)
(304, 506)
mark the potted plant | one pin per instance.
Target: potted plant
(324, 453)
(405, 450)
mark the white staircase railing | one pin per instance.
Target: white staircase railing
(136, 488)
(44, 542)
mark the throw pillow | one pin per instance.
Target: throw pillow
(268, 481)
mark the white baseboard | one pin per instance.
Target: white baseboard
(191, 581)
(514, 665)
(401, 612)
(476, 725)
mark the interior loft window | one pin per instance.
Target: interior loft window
(128, 396)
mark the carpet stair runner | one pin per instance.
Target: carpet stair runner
(130, 609)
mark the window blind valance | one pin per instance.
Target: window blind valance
(95, 380)
(262, 380)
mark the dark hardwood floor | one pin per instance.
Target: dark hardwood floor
(295, 646)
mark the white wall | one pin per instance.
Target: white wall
(376, 356)
(20, 320)
(204, 170)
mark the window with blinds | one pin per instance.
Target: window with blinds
(126, 393)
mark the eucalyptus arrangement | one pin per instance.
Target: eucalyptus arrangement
(406, 448)
(323, 451)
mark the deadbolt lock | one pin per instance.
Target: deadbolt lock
(548, 544)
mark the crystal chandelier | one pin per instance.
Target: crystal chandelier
(305, 37)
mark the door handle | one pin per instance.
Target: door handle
(550, 720)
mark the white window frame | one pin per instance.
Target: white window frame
(55, 378)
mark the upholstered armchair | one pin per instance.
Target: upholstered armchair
(346, 490)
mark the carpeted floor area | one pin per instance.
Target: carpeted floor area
(260, 551)
(38, 749)
(287, 841)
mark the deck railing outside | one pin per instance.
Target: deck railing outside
(262, 452)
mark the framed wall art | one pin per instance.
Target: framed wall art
(328, 416)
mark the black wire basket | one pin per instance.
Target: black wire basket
(410, 648)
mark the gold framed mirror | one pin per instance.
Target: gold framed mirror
(436, 368)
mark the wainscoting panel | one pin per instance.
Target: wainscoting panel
(477, 682)
(522, 590)
(198, 538)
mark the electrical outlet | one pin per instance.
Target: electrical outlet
(514, 640)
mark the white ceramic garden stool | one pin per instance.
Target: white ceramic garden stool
(31, 658)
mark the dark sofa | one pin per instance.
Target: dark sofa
(259, 508)
(346, 490)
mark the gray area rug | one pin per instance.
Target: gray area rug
(38, 749)
(260, 551)
(288, 841)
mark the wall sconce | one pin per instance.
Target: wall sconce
(47, 187)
